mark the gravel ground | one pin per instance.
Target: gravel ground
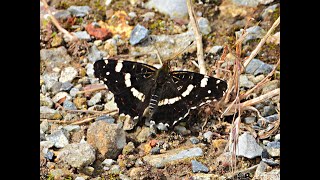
(81, 137)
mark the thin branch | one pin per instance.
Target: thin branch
(83, 121)
(198, 37)
(261, 43)
(91, 90)
(250, 102)
(56, 23)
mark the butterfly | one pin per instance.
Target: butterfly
(157, 96)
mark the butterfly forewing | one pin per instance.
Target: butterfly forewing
(129, 82)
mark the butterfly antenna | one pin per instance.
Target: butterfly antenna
(158, 55)
(182, 51)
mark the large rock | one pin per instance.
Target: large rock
(77, 155)
(160, 160)
(175, 9)
(108, 139)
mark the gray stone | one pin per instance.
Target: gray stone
(44, 126)
(49, 155)
(79, 11)
(45, 101)
(61, 95)
(77, 155)
(43, 89)
(95, 99)
(160, 160)
(62, 15)
(271, 85)
(147, 16)
(50, 79)
(175, 9)
(254, 32)
(268, 110)
(204, 26)
(262, 167)
(68, 74)
(269, 10)
(90, 70)
(115, 169)
(55, 56)
(270, 161)
(251, 3)
(46, 144)
(108, 139)
(128, 149)
(47, 110)
(108, 162)
(271, 175)
(138, 34)
(198, 167)
(74, 91)
(56, 87)
(248, 147)
(162, 127)
(181, 130)
(71, 128)
(105, 118)
(143, 134)
(155, 150)
(42, 136)
(167, 45)
(249, 120)
(94, 54)
(66, 86)
(273, 148)
(132, 14)
(256, 67)
(58, 138)
(216, 49)
(82, 35)
(68, 105)
(244, 82)
(208, 135)
(194, 140)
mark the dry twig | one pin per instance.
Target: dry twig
(261, 43)
(198, 37)
(56, 23)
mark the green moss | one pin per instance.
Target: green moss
(50, 177)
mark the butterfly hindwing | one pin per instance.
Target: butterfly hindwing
(196, 88)
(170, 107)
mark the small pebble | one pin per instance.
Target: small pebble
(198, 167)
(138, 34)
(181, 130)
(208, 136)
(68, 105)
(108, 162)
(49, 155)
(71, 128)
(277, 137)
(68, 74)
(216, 49)
(95, 99)
(105, 118)
(155, 150)
(132, 14)
(61, 95)
(249, 120)
(79, 11)
(73, 92)
(66, 86)
(194, 140)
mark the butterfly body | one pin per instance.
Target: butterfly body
(157, 96)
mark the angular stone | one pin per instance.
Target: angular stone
(77, 155)
(108, 139)
(160, 160)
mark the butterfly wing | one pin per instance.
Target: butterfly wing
(129, 82)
